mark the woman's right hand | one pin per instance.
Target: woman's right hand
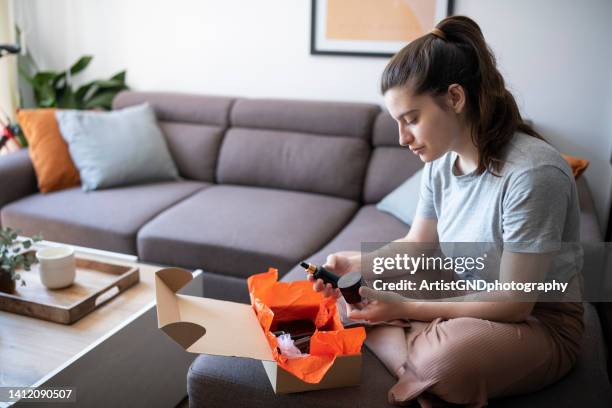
(339, 263)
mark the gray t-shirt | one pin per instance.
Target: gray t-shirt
(531, 207)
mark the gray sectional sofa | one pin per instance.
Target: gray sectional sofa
(265, 183)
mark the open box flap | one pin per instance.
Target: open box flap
(207, 326)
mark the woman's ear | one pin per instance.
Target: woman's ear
(456, 98)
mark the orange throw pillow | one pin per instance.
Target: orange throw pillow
(578, 165)
(48, 150)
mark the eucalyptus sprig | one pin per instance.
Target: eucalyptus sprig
(12, 256)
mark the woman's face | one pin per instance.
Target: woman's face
(427, 129)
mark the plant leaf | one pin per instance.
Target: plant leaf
(101, 100)
(81, 64)
(108, 83)
(59, 81)
(45, 95)
(119, 76)
(67, 100)
(45, 77)
(47, 103)
(81, 93)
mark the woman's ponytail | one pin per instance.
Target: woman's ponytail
(455, 52)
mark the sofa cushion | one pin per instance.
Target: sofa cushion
(214, 381)
(194, 148)
(178, 107)
(402, 202)
(118, 148)
(193, 126)
(311, 146)
(105, 219)
(325, 118)
(239, 231)
(51, 159)
(211, 379)
(390, 164)
(586, 385)
(368, 225)
(294, 161)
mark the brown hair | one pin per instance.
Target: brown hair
(456, 53)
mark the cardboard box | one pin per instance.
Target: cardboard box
(217, 327)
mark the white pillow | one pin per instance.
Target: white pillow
(402, 202)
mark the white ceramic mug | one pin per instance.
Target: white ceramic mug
(57, 266)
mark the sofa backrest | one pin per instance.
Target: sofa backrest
(390, 164)
(347, 150)
(193, 124)
(317, 147)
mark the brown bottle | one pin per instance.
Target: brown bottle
(349, 285)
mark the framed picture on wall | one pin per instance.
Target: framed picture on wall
(371, 28)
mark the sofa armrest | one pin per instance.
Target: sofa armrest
(595, 257)
(17, 175)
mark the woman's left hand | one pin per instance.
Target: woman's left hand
(378, 306)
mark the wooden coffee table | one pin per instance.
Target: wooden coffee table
(114, 356)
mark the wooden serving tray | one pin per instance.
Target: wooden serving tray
(95, 283)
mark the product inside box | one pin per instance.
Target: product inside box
(298, 333)
(296, 328)
(292, 305)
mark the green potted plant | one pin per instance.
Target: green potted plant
(54, 88)
(12, 258)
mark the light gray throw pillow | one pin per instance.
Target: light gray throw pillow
(402, 202)
(116, 148)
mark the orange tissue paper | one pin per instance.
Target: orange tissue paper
(275, 302)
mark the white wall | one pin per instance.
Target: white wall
(238, 47)
(555, 55)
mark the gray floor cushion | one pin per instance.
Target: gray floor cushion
(105, 219)
(239, 231)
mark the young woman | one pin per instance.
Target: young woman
(488, 177)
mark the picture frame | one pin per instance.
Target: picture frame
(337, 27)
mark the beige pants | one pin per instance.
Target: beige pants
(467, 360)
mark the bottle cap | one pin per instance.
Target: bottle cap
(349, 285)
